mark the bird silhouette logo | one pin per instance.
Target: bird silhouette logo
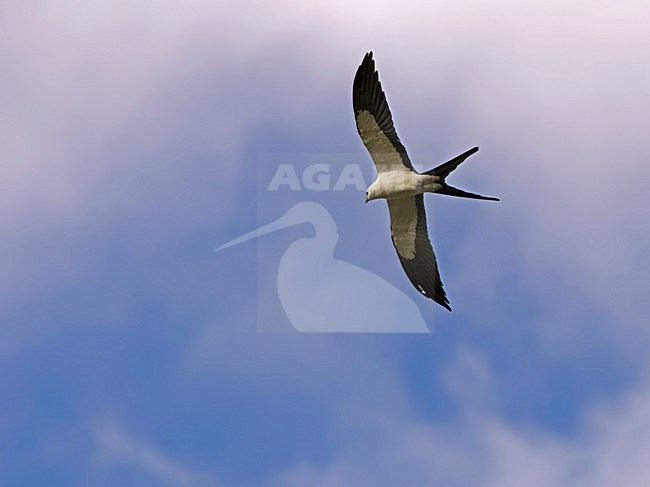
(322, 294)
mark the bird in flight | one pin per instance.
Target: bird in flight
(401, 185)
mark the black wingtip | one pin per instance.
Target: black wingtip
(368, 62)
(444, 301)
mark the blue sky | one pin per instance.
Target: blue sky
(133, 142)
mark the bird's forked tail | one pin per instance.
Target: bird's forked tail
(443, 170)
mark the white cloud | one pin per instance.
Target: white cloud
(467, 379)
(484, 448)
(117, 448)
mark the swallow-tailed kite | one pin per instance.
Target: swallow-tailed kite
(400, 184)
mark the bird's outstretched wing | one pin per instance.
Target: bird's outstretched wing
(374, 121)
(408, 229)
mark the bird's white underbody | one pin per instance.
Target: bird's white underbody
(399, 184)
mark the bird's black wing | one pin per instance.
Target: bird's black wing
(408, 228)
(374, 120)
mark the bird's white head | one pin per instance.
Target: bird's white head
(374, 191)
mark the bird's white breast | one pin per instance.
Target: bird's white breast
(400, 184)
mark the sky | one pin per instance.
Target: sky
(138, 138)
